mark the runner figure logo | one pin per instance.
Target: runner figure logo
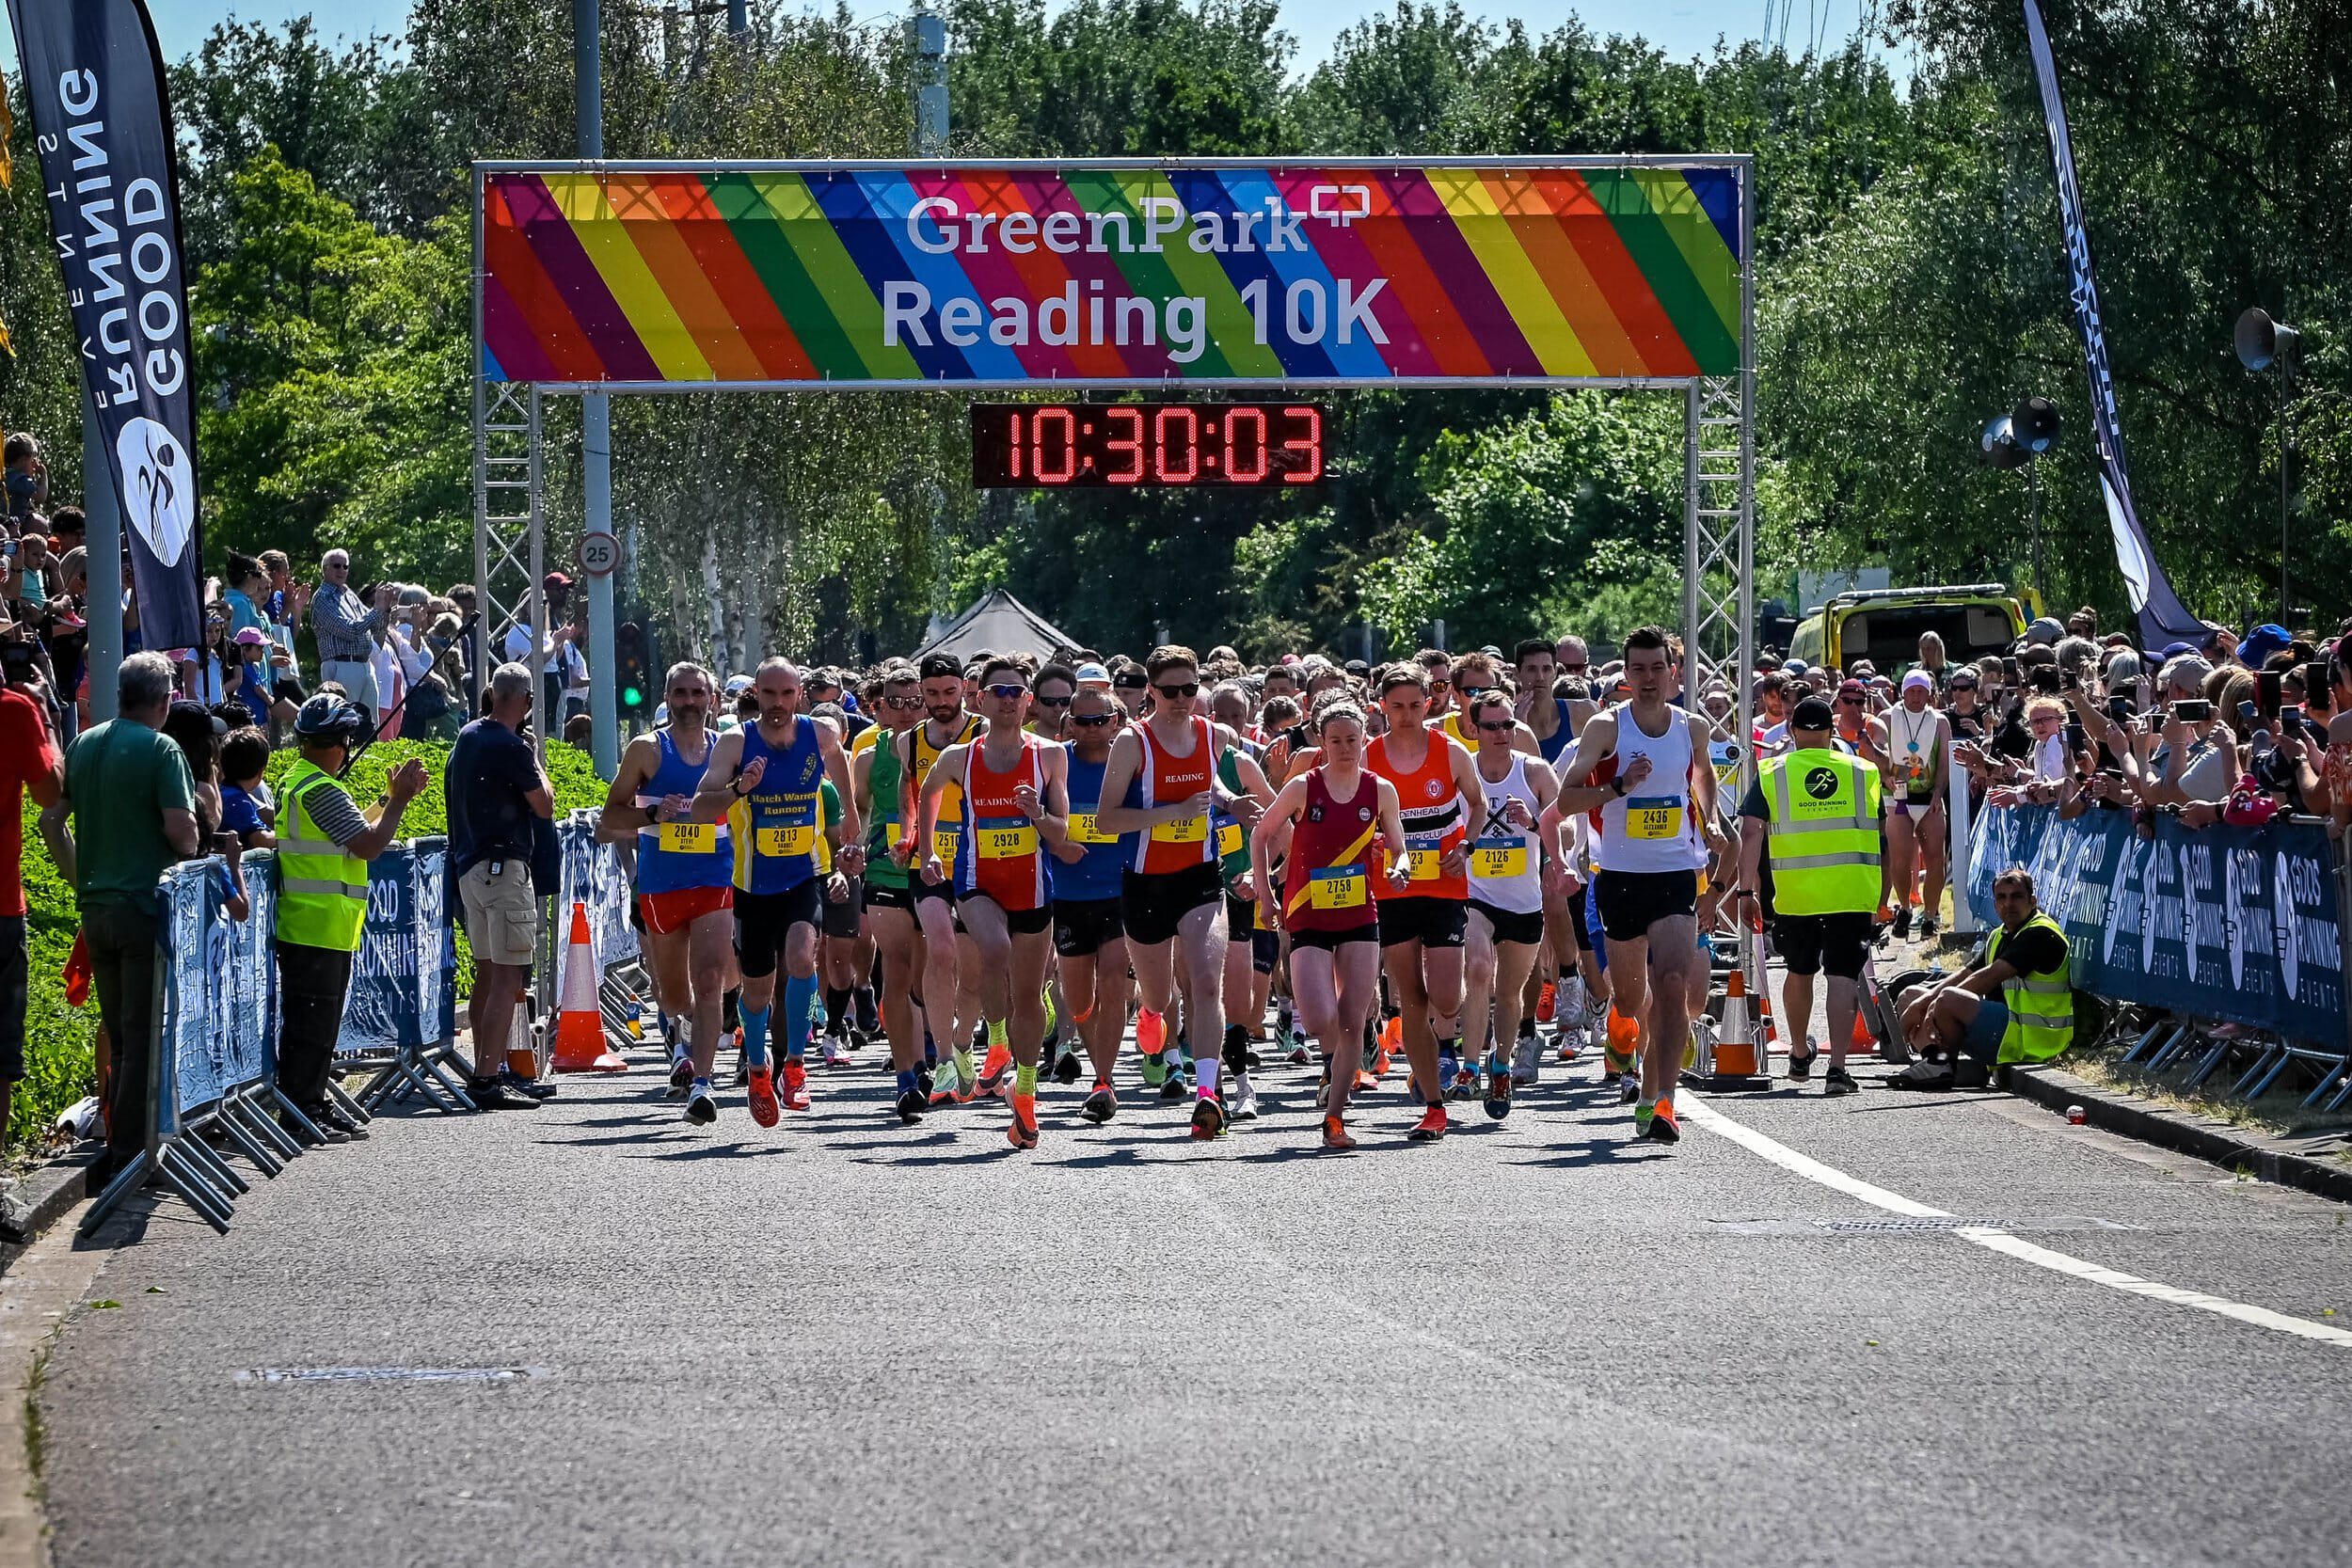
(161, 499)
(1821, 784)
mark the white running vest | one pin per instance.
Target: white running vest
(1505, 862)
(1649, 829)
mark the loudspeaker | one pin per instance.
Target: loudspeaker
(2000, 443)
(2033, 425)
(2262, 342)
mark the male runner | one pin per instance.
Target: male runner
(1506, 900)
(1657, 829)
(1422, 927)
(685, 872)
(1581, 986)
(1015, 803)
(1090, 940)
(1322, 826)
(874, 771)
(1162, 775)
(1251, 944)
(1917, 738)
(766, 780)
(1051, 690)
(950, 967)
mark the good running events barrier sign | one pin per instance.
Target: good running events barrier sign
(2241, 924)
(1100, 271)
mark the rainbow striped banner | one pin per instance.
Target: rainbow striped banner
(1111, 274)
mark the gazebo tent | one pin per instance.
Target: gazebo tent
(1001, 624)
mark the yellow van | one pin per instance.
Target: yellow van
(1883, 626)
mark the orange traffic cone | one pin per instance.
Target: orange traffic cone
(1864, 1042)
(1735, 1045)
(579, 1023)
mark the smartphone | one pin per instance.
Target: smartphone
(2245, 714)
(2008, 670)
(2192, 710)
(2071, 678)
(2120, 709)
(2267, 690)
(2045, 679)
(2078, 739)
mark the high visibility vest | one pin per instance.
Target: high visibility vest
(1821, 831)
(323, 890)
(2041, 1006)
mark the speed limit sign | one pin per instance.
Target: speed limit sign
(599, 554)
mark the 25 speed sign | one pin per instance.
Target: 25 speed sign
(599, 554)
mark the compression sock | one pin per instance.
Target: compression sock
(906, 1082)
(998, 1035)
(1025, 1080)
(756, 1037)
(866, 1010)
(800, 1009)
(837, 1006)
(1236, 1051)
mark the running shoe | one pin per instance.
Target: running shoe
(1663, 1126)
(836, 1052)
(995, 1072)
(1545, 1002)
(763, 1096)
(1449, 1069)
(1430, 1128)
(1066, 1067)
(1596, 1022)
(1838, 1081)
(1208, 1118)
(1100, 1105)
(1642, 1116)
(1570, 1005)
(910, 1107)
(1023, 1133)
(1244, 1098)
(1903, 922)
(1301, 1055)
(1497, 1089)
(1928, 925)
(681, 1077)
(1565, 1044)
(967, 1088)
(795, 1085)
(1366, 1081)
(1336, 1136)
(701, 1107)
(1527, 1062)
(1150, 1032)
(1174, 1087)
(1323, 1091)
(1629, 1088)
(1801, 1068)
(1155, 1071)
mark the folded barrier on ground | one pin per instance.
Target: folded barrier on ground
(2240, 937)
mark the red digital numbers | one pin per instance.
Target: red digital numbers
(1082, 445)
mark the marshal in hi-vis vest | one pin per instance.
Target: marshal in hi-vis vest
(1822, 832)
(323, 889)
(2041, 1006)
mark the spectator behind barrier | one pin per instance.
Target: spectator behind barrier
(131, 800)
(29, 764)
(324, 848)
(497, 792)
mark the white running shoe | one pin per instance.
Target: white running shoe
(1568, 999)
(1241, 1098)
(1527, 1061)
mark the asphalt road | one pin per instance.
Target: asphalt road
(842, 1341)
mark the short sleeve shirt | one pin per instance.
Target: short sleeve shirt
(25, 754)
(122, 777)
(491, 770)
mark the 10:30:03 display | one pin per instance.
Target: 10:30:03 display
(1057, 445)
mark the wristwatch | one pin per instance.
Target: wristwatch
(1616, 786)
(734, 786)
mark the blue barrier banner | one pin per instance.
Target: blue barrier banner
(404, 978)
(2237, 924)
(593, 873)
(220, 987)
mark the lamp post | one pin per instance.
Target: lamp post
(2261, 343)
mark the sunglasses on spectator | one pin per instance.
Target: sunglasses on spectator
(1091, 720)
(1175, 693)
(1006, 691)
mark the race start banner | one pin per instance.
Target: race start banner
(1610, 272)
(2238, 924)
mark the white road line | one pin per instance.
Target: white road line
(1996, 1240)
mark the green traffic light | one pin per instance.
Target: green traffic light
(631, 696)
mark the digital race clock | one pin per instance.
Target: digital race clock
(1020, 445)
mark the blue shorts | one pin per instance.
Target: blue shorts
(1985, 1031)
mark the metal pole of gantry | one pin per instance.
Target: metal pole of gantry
(595, 416)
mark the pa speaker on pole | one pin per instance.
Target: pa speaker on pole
(2000, 443)
(2261, 341)
(2033, 425)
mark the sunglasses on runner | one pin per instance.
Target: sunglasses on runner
(1053, 702)
(1174, 693)
(1131, 683)
(1491, 727)
(1006, 691)
(1471, 693)
(1091, 720)
(1576, 669)
(1849, 701)
(903, 703)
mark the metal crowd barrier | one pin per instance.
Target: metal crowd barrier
(2237, 939)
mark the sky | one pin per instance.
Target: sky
(1681, 28)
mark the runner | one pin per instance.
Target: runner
(1656, 826)
(950, 966)
(1517, 831)
(1322, 827)
(1163, 772)
(766, 780)
(846, 957)
(1422, 927)
(685, 873)
(874, 776)
(1251, 944)
(1917, 740)
(1571, 965)
(1090, 941)
(1013, 785)
(1474, 675)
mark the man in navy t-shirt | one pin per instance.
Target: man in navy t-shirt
(497, 794)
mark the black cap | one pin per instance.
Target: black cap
(1812, 714)
(1357, 667)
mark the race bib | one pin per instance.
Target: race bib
(785, 843)
(1005, 842)
(1336, 887)
(1083, 831)
(1228, 839)
(1184, 830)
(1498, 859)
(943, 844)
(1426, 850)
(690, 838)
(1653, 816)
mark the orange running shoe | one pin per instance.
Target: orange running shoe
(1365, 1081)
(1392, 1041)
(795, 1085)
(763, 1095)
(1544, 1003)
(1023, 1133)
(1150, 1032)
(1336, 1136)
(1625, 1043)
(993, 1070)
(1663, 1126)
(1430, 1128)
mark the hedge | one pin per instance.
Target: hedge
(59, 1062)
